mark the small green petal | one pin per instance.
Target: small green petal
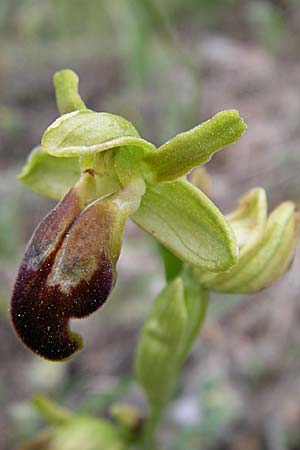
(194, 147)
(185, 221)
(49, 175)
(86, 132)
(267, 259)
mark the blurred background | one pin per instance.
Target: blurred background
(166, 66)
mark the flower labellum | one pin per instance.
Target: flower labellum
(68, 271)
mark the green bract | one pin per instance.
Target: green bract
(196, 303)
(173, 324)
(159, 347)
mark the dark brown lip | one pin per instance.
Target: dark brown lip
(70, 247)
(41, 313)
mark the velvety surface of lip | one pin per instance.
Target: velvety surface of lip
(68, 271)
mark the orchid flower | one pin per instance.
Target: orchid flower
(102, 172)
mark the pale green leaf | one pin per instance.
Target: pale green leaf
(86, 132)
(49, 175)
(194, 147)
(185, 221)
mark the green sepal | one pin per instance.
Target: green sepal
(185, 221)
(194, 147)
(48, 175)
(265, 260)
(66, 91)
(86, 132)
(159, 344)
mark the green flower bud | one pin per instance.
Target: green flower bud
(87, 433)
(81, 432)
(72, 431)
(173, 324)
(249, 219)
(159, 344)
(267, 246)
(68, 271)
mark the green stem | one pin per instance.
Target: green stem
(148, 437)
(66, 91)
(50, 410)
